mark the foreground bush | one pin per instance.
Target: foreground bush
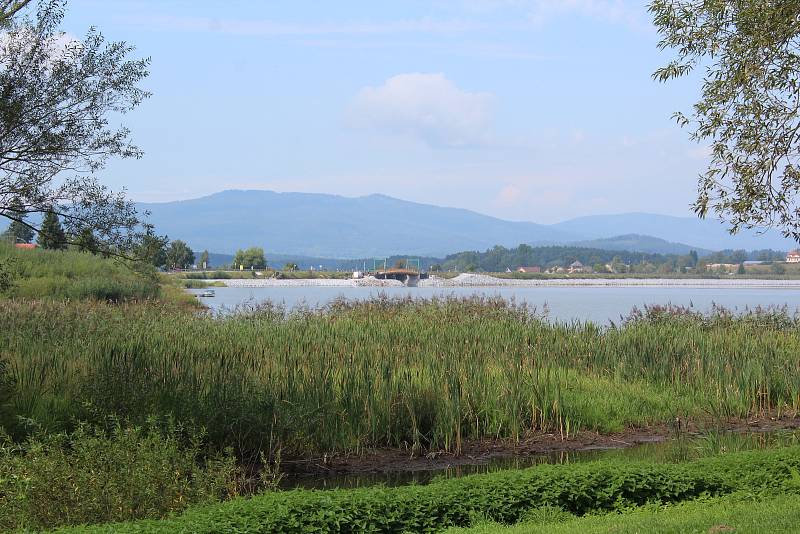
(93, 476)
(504, 497)
(739, 515)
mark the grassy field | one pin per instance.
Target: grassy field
(74, 275)
(397, 373)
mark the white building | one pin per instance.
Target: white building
(793, 256)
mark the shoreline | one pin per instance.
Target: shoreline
(386, 461)
(486, 281)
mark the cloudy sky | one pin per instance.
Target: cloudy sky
(535, 110)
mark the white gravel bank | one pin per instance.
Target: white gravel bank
(482, 280)
(309, 282)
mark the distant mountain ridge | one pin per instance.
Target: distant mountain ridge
(332, 226)
(707, 234)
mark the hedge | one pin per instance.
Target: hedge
(503, 496)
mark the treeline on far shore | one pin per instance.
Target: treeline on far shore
(501, 259)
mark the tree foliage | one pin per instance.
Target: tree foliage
(152, 249)
(748, 110)
(252, 257)
(9, 8)
(19, 231)
(179, 255)
(86, 242)
(498, 258)
(51, 234)
(56, 98)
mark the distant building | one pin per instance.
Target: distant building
(532, 269)
(793, 256)
(577, 267)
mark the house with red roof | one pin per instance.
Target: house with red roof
(793, 256)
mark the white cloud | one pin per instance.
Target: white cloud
(270, 28)
(613, 11)
(426, 106)
(623, 12)
(700, 153)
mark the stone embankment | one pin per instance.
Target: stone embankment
(482, 280)
(368, 281)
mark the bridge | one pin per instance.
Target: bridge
(409, 277)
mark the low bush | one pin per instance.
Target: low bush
(95, 475)
(505, 497)
(739, 514)
(205, 275)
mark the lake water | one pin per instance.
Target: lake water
(563, 304)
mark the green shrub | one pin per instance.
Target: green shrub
(732, 514)
(93, 476)
(505, 497)
(205, 275)
(192, 283)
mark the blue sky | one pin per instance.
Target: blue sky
(526, 110)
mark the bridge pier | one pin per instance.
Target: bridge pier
(406, 276)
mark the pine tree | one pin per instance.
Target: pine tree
(52, 235)
(86, 242)
(18, 232)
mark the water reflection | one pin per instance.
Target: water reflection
(680, 448)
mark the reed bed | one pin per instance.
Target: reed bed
(396, 373)
(74, 275)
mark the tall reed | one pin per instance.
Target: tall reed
(386, 372)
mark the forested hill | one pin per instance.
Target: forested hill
(499, 258)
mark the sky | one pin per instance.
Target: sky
(537, 110)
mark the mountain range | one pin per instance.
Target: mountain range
(332, 226)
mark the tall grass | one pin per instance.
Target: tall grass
(74, 275)
(397, 373)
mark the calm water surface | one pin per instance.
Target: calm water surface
(563, 304)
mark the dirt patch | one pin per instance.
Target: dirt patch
(483, 451)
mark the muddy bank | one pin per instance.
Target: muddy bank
(484, 451)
